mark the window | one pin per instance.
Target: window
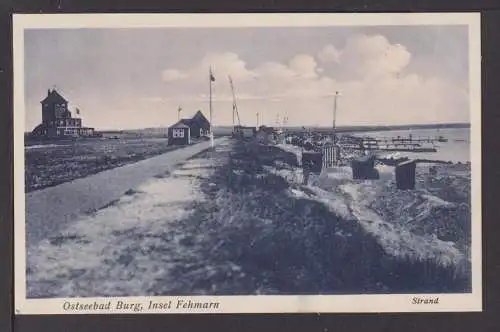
(178, 133)
(59, 110)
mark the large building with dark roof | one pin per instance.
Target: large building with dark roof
(57, 120)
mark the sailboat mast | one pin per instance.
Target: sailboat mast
(210, 80)
(234, 97)
(334, 129)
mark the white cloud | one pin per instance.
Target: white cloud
(274, 71)
(223, 64)
(366, 56)
(172, 75)
(371, 73)
(329, 54)
(304, 65)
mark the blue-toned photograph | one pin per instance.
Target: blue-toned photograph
(177, 161)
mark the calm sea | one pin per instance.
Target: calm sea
(457, 149)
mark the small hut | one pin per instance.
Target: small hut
(179, 134)
(405, 175)
(363, 168)
(244, 132)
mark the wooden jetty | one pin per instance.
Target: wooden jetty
(400, 144)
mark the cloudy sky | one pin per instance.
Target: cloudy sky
(136, 78)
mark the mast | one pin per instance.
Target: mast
(235, 106)
(334, 129)
(334, 138)
(211, 80)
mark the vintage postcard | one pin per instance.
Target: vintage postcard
(247, 163)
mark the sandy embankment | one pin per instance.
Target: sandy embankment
(431, 222)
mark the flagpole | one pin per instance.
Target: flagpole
(210, 80)
(334, 116)
(334, 138)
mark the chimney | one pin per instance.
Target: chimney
(48, 92)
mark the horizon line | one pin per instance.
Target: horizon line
(401, 126)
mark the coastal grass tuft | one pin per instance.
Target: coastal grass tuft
(254, 238)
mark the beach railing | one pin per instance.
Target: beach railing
(330, 156)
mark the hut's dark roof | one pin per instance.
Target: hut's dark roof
(198, 118)
(179, 124)
(187, 122)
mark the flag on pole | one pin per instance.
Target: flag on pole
(179, 112)
(212, 77)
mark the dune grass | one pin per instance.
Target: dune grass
(257, 239)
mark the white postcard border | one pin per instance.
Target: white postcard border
(249, 304)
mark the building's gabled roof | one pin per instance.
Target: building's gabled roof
(54, 97)
(187, 122)
(199, 118)
(179, 124)
(199, 114)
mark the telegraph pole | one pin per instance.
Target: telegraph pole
(211, 79)
(334, 129)
(334, 138)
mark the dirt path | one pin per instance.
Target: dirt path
(137, 245)
(51, 209)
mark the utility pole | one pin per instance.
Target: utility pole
(257, 119)
(334, 115)
(211, 80)
(334, 131)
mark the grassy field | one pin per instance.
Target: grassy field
(53, 163)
